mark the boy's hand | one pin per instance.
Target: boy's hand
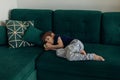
(48, 46)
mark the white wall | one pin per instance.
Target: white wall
(5, 6)
(102, 5)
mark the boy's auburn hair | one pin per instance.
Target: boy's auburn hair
(46, 34)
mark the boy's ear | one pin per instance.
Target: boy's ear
(52, 34)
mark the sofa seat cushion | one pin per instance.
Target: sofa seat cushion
(16, 64)
(53, 67)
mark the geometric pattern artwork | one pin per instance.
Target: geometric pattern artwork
(15, 31)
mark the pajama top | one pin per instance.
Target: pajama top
(65, 39)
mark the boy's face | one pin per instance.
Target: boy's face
(49, 39)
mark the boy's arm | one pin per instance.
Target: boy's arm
(53, 47)
(59, 45)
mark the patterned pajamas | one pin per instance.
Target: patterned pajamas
(72, 52)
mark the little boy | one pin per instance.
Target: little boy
(67, 47)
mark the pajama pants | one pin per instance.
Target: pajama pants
(72, 52)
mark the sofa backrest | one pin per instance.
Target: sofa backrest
(80, 24)
(42, 18)
(111, 28)
(3, 35)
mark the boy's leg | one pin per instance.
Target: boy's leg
(76, 56)
(89, 56)
(73, 52)
(61, 53)
(78, 44)
(74, 48)
(72, 56)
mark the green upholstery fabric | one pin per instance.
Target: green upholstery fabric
(15, 31)
(32, 76)
(80, 24)
(56, 68)
(3, 35)
(89, 26)
(16, 64)
(111, 28)
(42, 18)
(33, 35)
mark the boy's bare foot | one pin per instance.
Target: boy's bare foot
(98, 58)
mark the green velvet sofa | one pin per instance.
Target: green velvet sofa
(100, 33)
